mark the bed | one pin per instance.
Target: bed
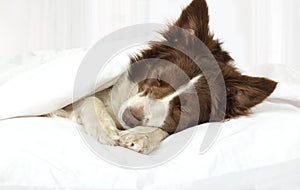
(260, 151)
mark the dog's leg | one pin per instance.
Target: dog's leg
(142, 139)
(92, 114)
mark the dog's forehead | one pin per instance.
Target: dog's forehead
(160, 57)
(175, 73)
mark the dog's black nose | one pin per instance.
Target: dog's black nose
(133, 117)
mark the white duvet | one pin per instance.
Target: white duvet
(261, 151)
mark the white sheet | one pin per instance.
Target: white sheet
(46, 153)
(261, 151)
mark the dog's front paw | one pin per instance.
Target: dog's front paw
(109, 138)
(139, 142)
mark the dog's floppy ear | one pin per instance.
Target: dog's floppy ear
(244, 92)
(194, 18)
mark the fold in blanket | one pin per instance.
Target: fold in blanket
(50, 85)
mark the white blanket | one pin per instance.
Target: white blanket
(49, 86)
(261, 151)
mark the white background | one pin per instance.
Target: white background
(254, 31)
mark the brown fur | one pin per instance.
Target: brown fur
(243, 92)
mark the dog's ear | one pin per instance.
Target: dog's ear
(244, 92)
(194, 18)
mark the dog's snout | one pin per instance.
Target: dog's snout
(133, 116)
(138, 112)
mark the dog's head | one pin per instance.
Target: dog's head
(172, 91)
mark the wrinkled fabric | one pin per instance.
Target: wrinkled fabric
(260, 151)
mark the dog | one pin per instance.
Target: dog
(157, 98)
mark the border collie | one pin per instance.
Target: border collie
(165, 90)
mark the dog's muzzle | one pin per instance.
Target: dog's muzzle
(133, 116)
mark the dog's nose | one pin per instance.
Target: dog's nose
(133, 116)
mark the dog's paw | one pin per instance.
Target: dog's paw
(138, 142)
(108, 137)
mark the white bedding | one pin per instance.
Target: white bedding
(261, 151)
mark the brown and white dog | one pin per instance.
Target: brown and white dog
(152, 99)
